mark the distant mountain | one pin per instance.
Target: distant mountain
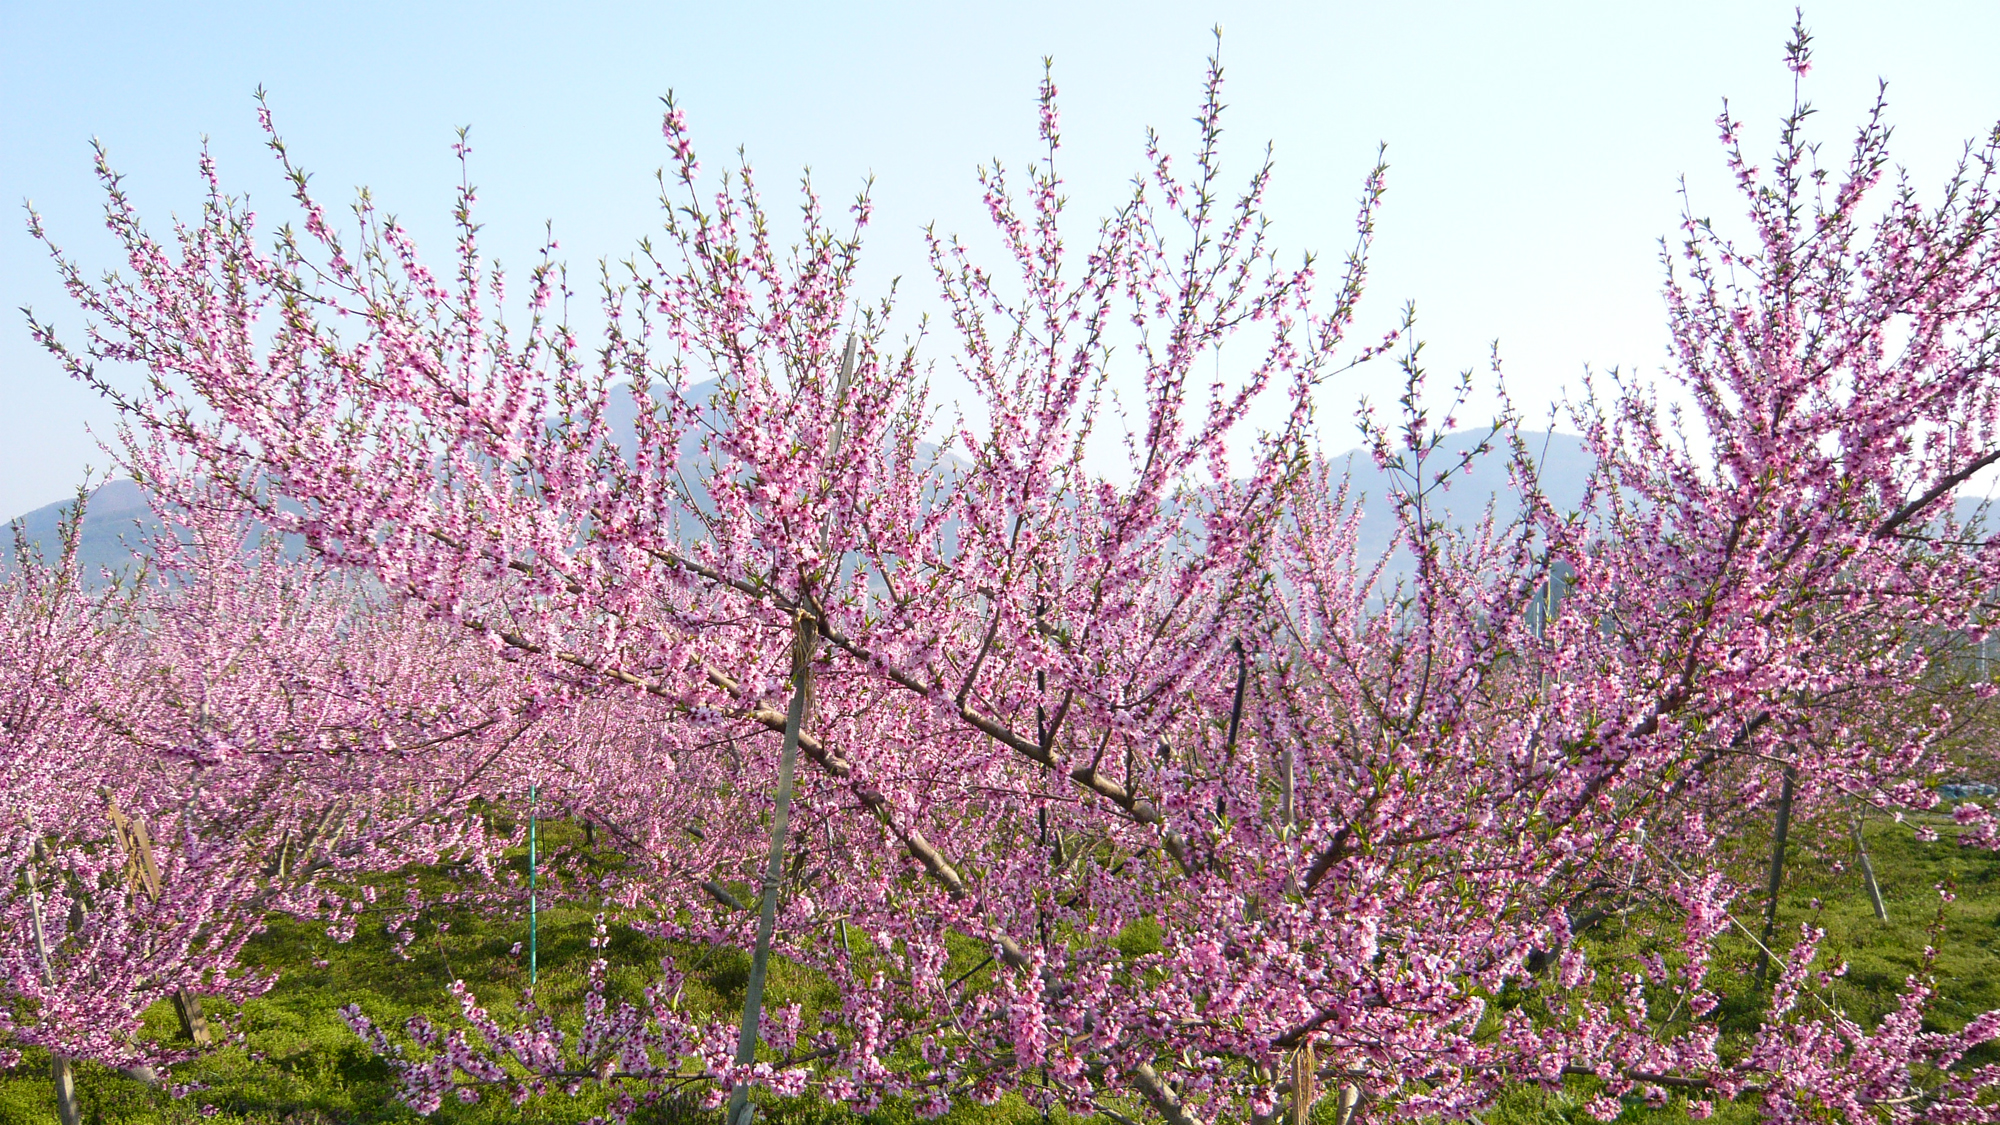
(118, 520)
(1564, 463)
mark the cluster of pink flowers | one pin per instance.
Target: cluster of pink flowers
(230, 736)
(1239, 815)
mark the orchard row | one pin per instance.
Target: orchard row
(716, 585)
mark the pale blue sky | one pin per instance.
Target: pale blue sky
(1535, 148)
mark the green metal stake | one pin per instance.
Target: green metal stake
(533, 840)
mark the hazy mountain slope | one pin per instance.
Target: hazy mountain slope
(118, 519)
(1565, 465)
(117, 522)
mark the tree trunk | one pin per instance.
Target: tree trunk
(804, 644)
(740, 1108)
(1164, 1100)
(1350, 1100)
(534, 912)
(1778, 835)
(67, 1109)
(193, 1023)
(1868, 874)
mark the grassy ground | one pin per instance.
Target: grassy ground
(298, 1064)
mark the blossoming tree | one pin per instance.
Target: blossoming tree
(193, 753)
(1237, 817)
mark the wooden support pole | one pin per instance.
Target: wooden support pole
(1305, 1074)
(142, 876)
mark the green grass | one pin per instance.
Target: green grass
(1882, 955)
(298, 1064)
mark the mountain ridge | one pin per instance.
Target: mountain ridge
(118, 519)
